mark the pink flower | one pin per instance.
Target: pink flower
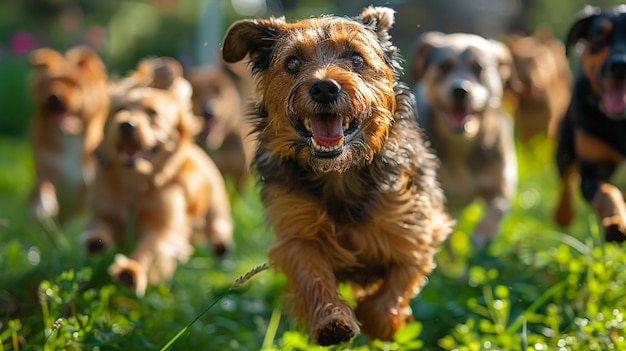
(21, 42)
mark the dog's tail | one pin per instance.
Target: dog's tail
(568, 172)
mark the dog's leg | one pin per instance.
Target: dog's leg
(314, 285)
(103, 231)
(163, 232)
(564, 212)
(609, 205)
(489, 225)
(44, 202)
(385, 312)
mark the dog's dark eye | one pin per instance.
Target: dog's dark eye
(292, 64)
(358, 62)
(446, 66)
(598, 42)
(151, 112)
(476, 68)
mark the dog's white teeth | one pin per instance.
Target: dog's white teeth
(324, 148)
(307, 124)
(346, 123)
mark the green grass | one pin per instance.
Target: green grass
(536, 288)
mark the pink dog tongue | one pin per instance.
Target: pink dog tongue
(459, 115)
(327, 129)
(614, 101)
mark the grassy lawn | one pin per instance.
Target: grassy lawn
(536, 288)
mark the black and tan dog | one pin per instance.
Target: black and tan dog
(592, 135)
(348, 185)
(459, 80)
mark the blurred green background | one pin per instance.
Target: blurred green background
(125, 31)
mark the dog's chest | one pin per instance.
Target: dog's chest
(69, 163)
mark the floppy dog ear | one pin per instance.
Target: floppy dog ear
(423, 54)
(579, 29)
(46, 58)
(88, 60)
(253, 37)
(380, 19)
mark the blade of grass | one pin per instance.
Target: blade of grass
(238, 282)
(272, 328)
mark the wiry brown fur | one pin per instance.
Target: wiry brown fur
(153, 173)
(71, 105)
(371, 214)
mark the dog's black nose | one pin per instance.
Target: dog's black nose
(127, 129)
(54, 103)
(459, 94)
(617, 70)
(207, 111)
(325, 90)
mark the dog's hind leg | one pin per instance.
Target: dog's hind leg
(609, 205)
(564, 211)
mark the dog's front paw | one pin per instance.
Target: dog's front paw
(96, 241)
(614, 229)
(379, 320)
(129, 273)
(336, 331)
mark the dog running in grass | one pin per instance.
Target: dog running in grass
(71, 105)
(349, 188)
(592, 135)
(153, 175)
(460, 80)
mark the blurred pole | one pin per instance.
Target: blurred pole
(209, 33)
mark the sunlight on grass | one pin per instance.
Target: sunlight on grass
(537, 285)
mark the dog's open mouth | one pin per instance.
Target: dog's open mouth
(459, 115)
(614, 98)
(131, 150)
(328, 133)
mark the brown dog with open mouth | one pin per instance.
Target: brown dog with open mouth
(348, 186)
(459, 80)
(592, 135)
(221, 94)
(71, 106)
(153, 174)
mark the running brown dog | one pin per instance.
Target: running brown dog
(349, 188)
(152, 172)
(71, 105)
(592, 135)
(460, 81)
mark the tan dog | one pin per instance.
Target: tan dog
(221, 93)
(153, 174)
(459, 84)
(156, 72)
(349, 188)
(71, 106)
(543, 87)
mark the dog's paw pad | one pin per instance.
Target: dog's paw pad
(219, 250)
(95, 246)
(335, 333)
(613, 233)
(126, 277)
